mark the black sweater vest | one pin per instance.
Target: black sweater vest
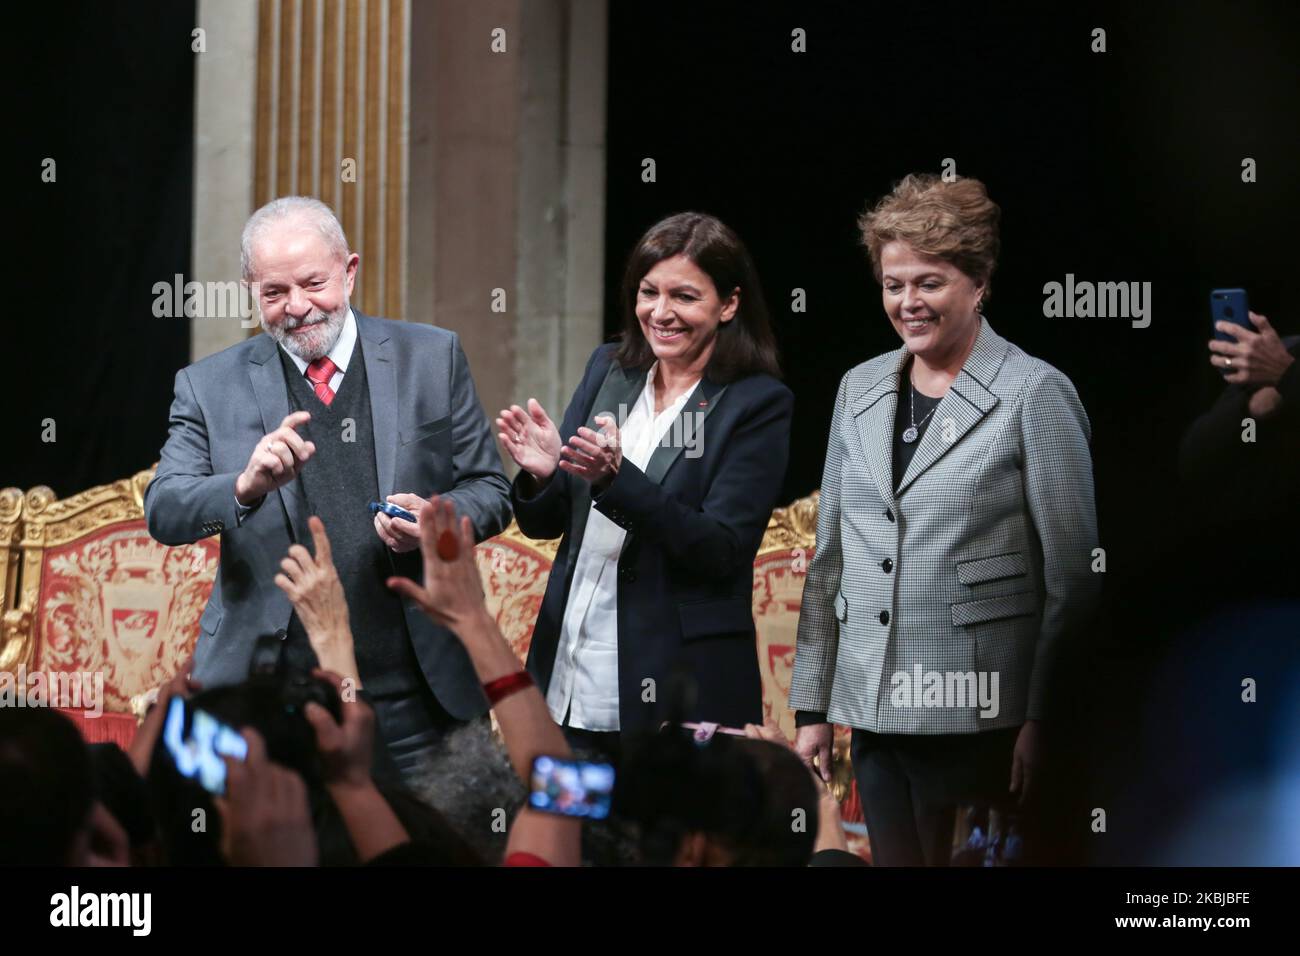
(338, 484)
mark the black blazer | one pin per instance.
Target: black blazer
(694, 520)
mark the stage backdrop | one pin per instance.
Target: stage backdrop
(1119, 166)
(106, 92)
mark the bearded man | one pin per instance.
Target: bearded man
(328, 411)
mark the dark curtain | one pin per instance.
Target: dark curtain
(107, 92)
(1115, 166)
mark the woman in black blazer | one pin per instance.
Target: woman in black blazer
(675, 450)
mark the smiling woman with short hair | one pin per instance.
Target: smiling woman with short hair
(660, 480)
(955, 534)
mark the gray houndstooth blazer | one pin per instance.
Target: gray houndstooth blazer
(980, 564)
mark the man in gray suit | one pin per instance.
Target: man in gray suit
(325, 413)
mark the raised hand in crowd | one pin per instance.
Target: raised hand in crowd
(452, 591)
(452, 594)
(346, 750)
(265, 817)
(313, 586)
(142, 744)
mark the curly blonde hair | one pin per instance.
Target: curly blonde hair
(954, 221)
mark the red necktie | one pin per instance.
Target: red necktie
(319, 374)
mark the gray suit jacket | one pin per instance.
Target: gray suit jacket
(430, 436)
(989, 542)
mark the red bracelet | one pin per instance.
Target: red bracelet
(501, 688)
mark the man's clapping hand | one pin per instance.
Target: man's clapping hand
(276, 460)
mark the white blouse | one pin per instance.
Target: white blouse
(584, 683)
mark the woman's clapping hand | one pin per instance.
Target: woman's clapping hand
(531, 438)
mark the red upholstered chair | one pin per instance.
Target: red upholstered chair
(515, 569)
(103, 613)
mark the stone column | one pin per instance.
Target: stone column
(506, 200)
(224, 92)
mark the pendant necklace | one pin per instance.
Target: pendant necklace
(910, 433)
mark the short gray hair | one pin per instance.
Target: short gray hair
(313, 213)
(467, 777)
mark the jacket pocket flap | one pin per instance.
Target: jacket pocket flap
(727, 616)
(1010, 565)
(211, 618)
(992, 609)
(841, 607)
(427, 429)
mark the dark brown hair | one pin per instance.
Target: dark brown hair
(745, 345)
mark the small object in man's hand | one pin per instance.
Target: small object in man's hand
(392, 510)
(448, 546)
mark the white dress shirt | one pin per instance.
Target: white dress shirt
(584, 683)
(339, 354)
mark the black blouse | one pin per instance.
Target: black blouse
(924, 405)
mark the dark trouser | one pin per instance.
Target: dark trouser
(411, 724)
(604, 746)
(910, 786)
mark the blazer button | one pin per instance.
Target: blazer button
(887, 564)
(884, 617)
(889, 514)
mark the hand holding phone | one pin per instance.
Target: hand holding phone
(196, 742)
(397, 520)
(1229, 305)
(1253, 356)
(392, 510)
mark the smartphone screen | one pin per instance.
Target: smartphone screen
(1229, 305)
(572, 788)
(197, 741)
